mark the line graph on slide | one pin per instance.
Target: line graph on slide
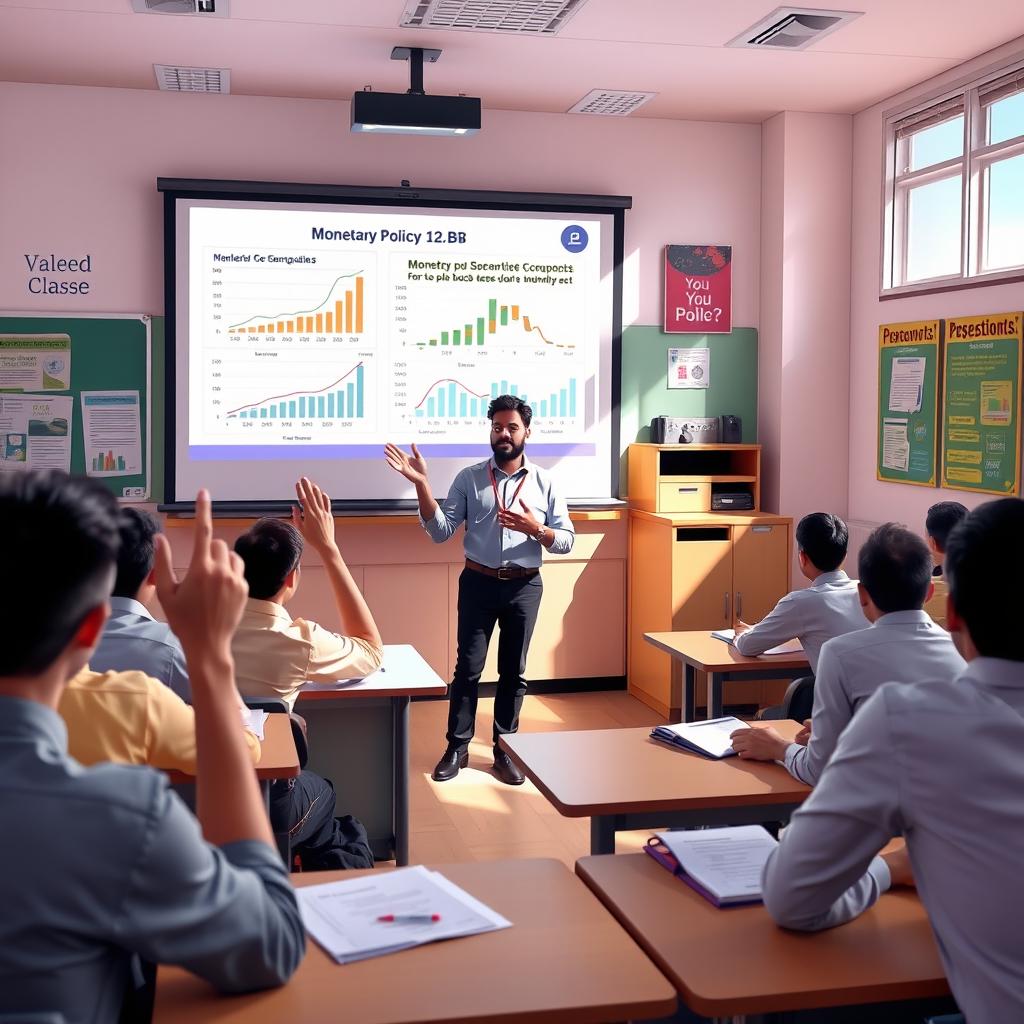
(477, 330)
(340, 312)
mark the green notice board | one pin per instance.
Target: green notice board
(110, 360)
(908, 402)
(981, 419)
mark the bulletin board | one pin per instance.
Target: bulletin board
(909, 363)
(110, 359)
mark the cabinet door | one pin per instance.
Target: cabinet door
(702, 562)
(760, 568)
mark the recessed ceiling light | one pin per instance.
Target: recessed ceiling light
(611, 102)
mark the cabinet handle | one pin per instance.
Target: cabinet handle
(739, 604)
(725, 606)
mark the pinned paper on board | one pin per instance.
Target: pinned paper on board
(895, 445)
(35, 362)
(35, 432)
(689, 367)
(113, 433)
(906, 390)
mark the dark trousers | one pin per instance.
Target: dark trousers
(483, 603)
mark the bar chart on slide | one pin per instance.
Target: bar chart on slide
(449, 399)
(477, 331)
(340, 312)
(342, 399)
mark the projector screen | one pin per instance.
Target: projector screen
(309, 325)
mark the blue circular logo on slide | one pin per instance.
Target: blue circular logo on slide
(574, 238)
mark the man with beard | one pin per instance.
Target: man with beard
(511, 510)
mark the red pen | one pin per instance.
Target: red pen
(409, 918)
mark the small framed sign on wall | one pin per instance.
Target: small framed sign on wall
(698, 289)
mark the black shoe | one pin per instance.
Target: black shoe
(506, 770)
(448, 767)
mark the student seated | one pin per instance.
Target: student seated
(940, 763)
(132, 638)
(938, 524)
(100, 865)
(274, 653)
(828, 607)
(131, 718)
(902, 645)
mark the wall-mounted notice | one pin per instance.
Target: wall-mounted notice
(113, 435)
(35, 432)
(698, 289)
(689, 367)
(35, 362)
(981, 419)
(908, 391)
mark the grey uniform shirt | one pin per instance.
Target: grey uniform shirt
(829, 607)
(901, 647)
(134, 641)
(100, 863)
(942, 763)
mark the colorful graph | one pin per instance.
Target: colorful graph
(342, 399)
(341, 312)
(449, 398)
(475, 331)
(105, 462)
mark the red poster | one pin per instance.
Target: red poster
(698, 289)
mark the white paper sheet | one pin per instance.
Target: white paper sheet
(35, 432)
(895, 445)
(689, 367)
(35, 362)
(113, 434)
(711, 735)
(906, 387)
(255, 721)
(789, 647)
(726, 861)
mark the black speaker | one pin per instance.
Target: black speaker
(731, 430)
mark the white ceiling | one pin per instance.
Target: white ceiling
(327, 49)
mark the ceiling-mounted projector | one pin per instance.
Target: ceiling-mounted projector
(414, 112)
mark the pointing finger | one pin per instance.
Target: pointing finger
(166, 581)
(203, 527)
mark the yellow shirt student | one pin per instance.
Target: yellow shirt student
(935, 606)
(131, 718)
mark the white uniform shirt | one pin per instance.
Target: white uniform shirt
(829, 607)
(901, 647)
(941, 763)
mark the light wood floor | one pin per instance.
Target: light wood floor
(476, 817)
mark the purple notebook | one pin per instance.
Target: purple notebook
(667, 859)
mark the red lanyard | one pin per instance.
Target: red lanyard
(497, 497)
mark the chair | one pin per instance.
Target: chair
(947, 1018)
(798, 702)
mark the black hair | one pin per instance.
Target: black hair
(984, 562)
(510, 403)
(269, 551)
(823, 537)
(941, 519)
(137, 528)
(59, 551)
(895, 568)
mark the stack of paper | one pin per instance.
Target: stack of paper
(345, 917)
(710, 737)
(254, 721)
(789, 647)
(722, 864)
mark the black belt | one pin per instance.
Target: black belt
(506, 572)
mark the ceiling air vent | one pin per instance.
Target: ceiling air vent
(205, 8)
(516, 17)
(792, 28)
(176, 79)
(612, 102)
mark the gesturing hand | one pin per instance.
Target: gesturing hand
(205, 607)
(520, 523)
(312, 517)
(413, 468)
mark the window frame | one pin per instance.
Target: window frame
(973, 163)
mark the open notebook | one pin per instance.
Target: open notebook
(789, 647)
(723, 864)
(709, 738)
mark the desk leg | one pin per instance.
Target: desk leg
(715, 695)
(400, 718)
(602, 834)
(689, 696)
(283, 840)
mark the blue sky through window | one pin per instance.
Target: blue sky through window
(933, 235)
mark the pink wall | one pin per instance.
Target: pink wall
(872, 502)
(805, 256)
(81, 178)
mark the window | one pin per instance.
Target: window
(954, 208)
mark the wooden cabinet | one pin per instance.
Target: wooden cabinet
(697, 569)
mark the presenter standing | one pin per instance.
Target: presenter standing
(511, 510)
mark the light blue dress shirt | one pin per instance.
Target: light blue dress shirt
(134, 641)
(940, 763)
(471, 501)
(101, 863)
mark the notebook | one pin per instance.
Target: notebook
(789, 647)
(723, 864)
(709, 738)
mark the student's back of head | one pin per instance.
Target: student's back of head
(137, 528)
(984, 564)
(941, 519)
(59, 551)
(895, 568)
(823, 538)
(269, 551)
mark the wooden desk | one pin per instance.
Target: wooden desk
(346, 739)
(699, 651)
(622, 779)
(565, 957)
(737, 961)
(278, 756)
